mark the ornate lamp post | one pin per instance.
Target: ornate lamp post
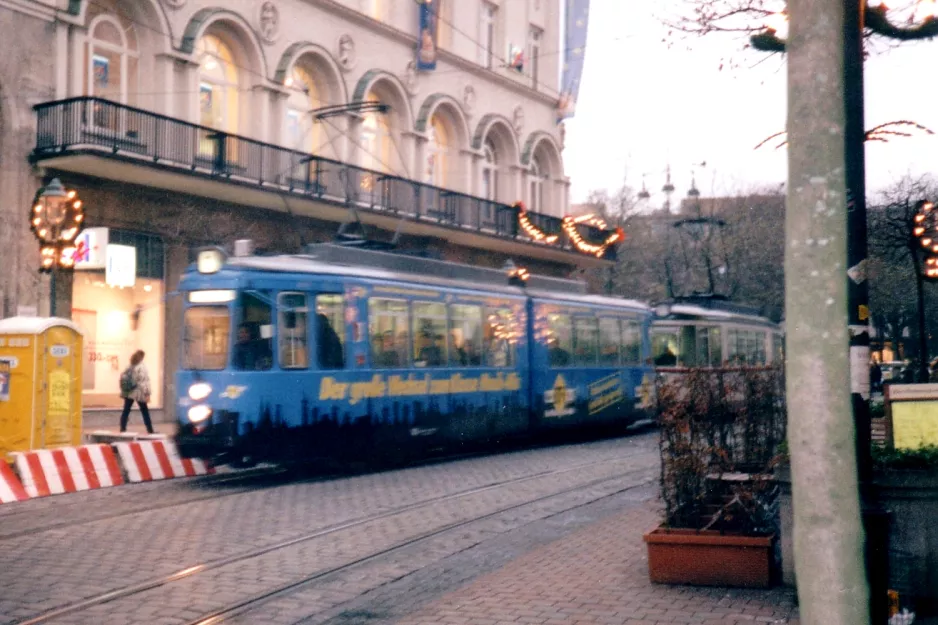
(859, 15)
(56, 218)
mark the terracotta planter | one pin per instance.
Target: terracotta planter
(709, 558)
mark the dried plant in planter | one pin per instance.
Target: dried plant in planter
(721, 432)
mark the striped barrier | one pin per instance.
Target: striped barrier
(158, 460)
(46, 472)
(10, 488)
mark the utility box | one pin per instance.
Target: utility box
(40, 384)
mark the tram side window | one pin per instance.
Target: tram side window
(759, 347)
(688, 347)
(664, 348)
(778, 348)
(609, 341)
(559, 340)
(330, 331)
(465, 331)
(253, 351)
(631, 343)
(206, 338)
(585, 341)
(703, 347)
(716, 348)
(429, 334)
(293, 317)
(499, 338)
(390, 335)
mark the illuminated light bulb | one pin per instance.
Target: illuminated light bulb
(37, 208)
(289, 81)
(79, 217)
(926, 242)
(919, 218)
(71, 195)
(77, 204)
(43, 232)
(919, 231)
(37, 221)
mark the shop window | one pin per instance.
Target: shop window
(465, 330)
(253, 352)
(585, 341)
(499, 338)
(631, 343)
(330, 331)
(559, 340)
(205, 338)
(429, 334)
(390, 335)
(609, 341)
(292, 320)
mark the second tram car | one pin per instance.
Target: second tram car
(354, 352)
(713, 332)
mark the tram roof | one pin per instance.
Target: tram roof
(303, 263)
(690, 310)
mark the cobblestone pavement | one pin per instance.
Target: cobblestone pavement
(597, 575)
(44, 569)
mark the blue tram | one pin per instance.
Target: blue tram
(356, 353)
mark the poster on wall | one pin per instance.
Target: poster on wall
(101, 68)
(5, 373)
(576, 26)
(428, 37)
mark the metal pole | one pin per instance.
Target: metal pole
(52, 292)
(874, 518)
(828, 537)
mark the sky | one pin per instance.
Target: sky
(644, 104)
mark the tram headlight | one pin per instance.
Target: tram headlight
(199, 391)
(198, 414)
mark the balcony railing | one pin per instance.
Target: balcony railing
(87, 124)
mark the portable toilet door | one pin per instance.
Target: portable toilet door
(40, 384)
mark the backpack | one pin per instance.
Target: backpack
(127, 381)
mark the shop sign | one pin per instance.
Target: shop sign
(121, 269)
(92, 246)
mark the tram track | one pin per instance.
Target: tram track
(191, 571)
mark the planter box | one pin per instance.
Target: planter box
(709, 558)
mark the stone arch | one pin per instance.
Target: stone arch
(498, 129)
(155, 33)
(321, 60)
(386, 85)
(544, 146)
(452, 115)
(248, 51)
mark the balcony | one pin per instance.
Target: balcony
(102, 138)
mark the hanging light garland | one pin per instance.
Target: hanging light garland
(570, 228)
(925, 230)
(569, 225)
(55, 218)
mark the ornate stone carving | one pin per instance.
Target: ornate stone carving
(174, 4)
(411, 79)
(469, 99)
(268, 19)
(517, 119)
(345, 52)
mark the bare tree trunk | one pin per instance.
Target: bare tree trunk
(828, 535)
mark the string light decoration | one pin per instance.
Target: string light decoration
(569, 225)
(925, 229)
(56, 218)
(570, 228)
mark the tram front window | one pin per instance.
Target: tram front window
(253, 350)
(206, 338)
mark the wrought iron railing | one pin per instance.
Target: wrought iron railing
(94, 124)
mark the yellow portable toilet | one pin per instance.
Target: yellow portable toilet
(40, 384)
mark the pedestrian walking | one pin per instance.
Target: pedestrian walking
(135, 387)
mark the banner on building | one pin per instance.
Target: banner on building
(428, 35)
(577, 22)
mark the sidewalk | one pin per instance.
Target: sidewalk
(599, 576)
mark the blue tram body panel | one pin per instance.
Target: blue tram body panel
(267, 372)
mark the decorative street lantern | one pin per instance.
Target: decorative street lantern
(56, 218)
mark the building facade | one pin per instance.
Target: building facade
(183, 123)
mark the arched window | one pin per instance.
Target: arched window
(112, 58)
(538, 176)
(218, 85)
(490, 172)
(437, 153)
(302, 132)
(376, 141)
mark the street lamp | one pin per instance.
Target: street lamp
(55, 218)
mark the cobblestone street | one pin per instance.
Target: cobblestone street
(550, 533)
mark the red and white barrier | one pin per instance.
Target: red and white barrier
(46, 472)
(10, 488)
(158, 460)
